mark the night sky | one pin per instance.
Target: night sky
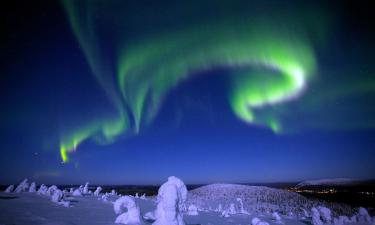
(131, 92)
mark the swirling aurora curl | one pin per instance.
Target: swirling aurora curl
(270, 63)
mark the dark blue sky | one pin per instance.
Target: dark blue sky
(45, 83)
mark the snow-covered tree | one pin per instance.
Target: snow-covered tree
(85, 190)
(97, 191)
(132, 214)
(316, 217)
(276, 217)
(325, 214)
(170, 201)
(42, 189)
(9, 189)
(32, 187)
(23, 186)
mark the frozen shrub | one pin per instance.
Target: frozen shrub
(113, 192)
(32, 187)
(232, 209)
(132, 215)
(9, 189)
(353, 219)
(363, 215)
(23, 186)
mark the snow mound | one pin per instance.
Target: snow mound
(132, 215)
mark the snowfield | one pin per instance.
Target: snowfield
(216, 204)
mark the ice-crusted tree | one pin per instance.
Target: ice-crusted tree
(132, 213)
(9, 189)
(257, 221)
(170, 202)
(78, 191)
(32, 187)
(143, 197)
(23, 186)
(97, 191)
(57, 195)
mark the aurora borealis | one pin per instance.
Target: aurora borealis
(116, 76)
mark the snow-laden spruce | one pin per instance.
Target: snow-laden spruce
(170, 203)
(22, 187)
(9, 189)
(131, 215)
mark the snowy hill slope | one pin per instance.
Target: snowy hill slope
(257, 199)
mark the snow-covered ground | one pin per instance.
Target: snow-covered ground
(217, 204)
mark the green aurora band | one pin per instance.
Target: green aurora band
(269, 63)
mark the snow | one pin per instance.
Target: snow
(132, 215)
(46, 207)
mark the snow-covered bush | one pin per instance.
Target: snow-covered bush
(113, 192)
(132, 215)
(136, 195)
(170, 202)
(97, 191)
(316, 217)
(23, 186)
(42, 189)
(9, 189)
(32, 187)
(325, 214)
(353, 219)
(255, 221)
(192, 210)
